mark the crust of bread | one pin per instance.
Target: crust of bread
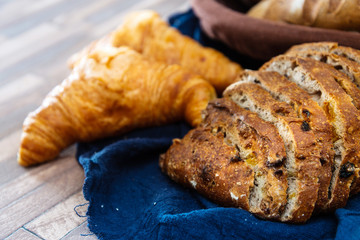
(341, 78)
(306, 167)
(331, 47)
(202, 161)
(341, 63)
(211, 159)
(266, 153)
(341, 113)
(308, 110)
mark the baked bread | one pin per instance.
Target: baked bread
(341, 78)
(318, 79)
(110, 92)
(234, 158)
(334, 14)
(303, 157)
(310, 112)
(341, 63)
(330, 47)
(147, 33)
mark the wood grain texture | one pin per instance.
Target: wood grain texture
(61, 219)
(82, 232)
(36, 39)
(41, 199)
(22, 234)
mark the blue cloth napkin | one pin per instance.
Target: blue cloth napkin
(130, 198)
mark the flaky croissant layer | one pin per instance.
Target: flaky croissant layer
(109, 92)
(147, 33)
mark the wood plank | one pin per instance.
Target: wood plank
(7, 11)
(61, 219)
(11, 144)
(41, 199)
(46, 54)
(23, 24)
(24, 84)
(22, 234)
(82, 232)
(33, 178)
(163, 7)
(36, 40)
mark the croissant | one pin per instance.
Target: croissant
(147, 33)
(109, 92)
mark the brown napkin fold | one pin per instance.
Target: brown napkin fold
(261, 39)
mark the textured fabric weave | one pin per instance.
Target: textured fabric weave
(130, 198)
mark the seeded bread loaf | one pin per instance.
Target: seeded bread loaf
(330, 47)
(310, 112)
(261, 147)
(234, 158)
(350, 68)
(282, 143)
(303, 157)
(318, 79)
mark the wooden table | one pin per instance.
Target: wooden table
(36, 39)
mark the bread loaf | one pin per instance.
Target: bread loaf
(293, 125)
(234, 158)
(341, 63)
(310, 112)
(303, 157)
(335, 14)
(318, 79)
(330, 47)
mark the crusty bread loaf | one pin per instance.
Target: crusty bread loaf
(342, 79)
(308, 110)
(331, 47)
(303, 157)
(341, 63)
(261, 147)
(336, 14)
(318, 79)
(234, 158)
(292, 127)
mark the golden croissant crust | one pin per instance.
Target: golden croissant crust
(111, 91)
(147, 33)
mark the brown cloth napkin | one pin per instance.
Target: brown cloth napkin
(257, 38)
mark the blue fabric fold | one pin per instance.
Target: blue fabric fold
(130, 198)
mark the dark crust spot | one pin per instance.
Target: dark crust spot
(257, 81)
(323, 59)
(235, 159)
(206, 175)
(301, 157)
(305, 126)
(347, 170)
(278, 172)
(306, 112)
(277, 163)
(338, 67)
(323, 161)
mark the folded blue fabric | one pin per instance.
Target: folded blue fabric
(130, 198)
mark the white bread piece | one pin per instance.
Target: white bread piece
(303, 160)
(308, 110)
(318, 79)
